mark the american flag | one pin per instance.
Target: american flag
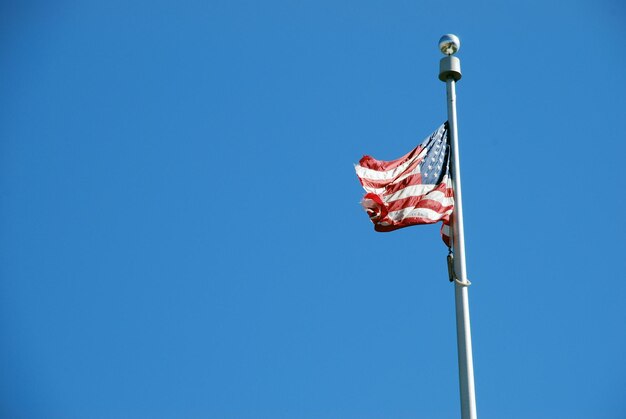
(414, 189)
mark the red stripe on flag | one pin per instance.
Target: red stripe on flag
(369, 162)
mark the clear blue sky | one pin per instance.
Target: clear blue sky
(180, 234)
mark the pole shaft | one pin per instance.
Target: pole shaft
(463, 333)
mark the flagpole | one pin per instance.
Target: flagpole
(450, 73)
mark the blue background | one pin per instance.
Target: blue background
(180, 234)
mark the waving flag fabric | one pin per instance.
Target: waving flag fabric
(414, 189)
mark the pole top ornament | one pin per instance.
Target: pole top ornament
(449, 44)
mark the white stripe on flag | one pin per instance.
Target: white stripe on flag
(412, 190)
(415, 213)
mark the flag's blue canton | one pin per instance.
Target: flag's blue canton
(432, 165)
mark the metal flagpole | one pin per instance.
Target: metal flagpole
(450, 73)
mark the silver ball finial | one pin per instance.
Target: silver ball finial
(449, 44)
